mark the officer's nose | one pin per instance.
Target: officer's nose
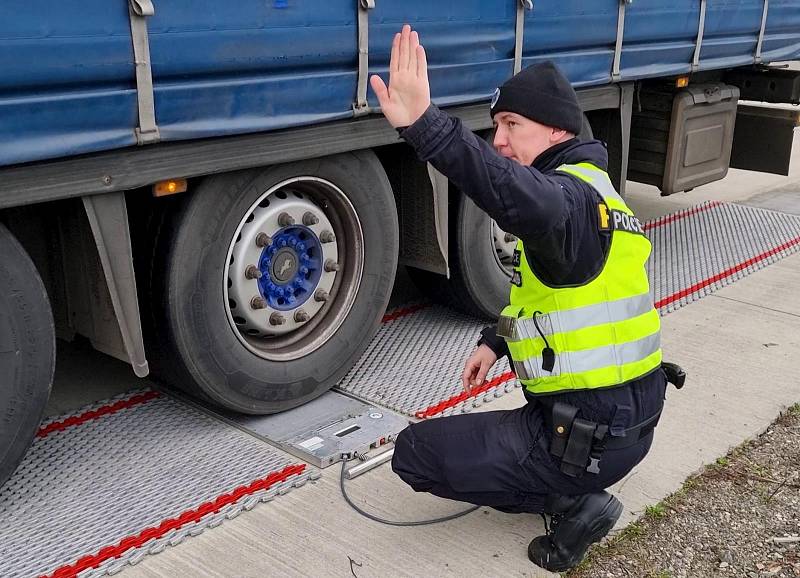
(499, 138)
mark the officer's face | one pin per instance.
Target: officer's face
(523, 139)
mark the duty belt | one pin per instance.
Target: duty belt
(580, 443)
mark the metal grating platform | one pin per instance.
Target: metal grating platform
(414, 363)
(105, 487)
(705, 248)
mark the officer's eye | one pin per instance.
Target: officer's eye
(511, 124)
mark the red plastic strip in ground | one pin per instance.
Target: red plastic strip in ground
(97, 413)
(672, 217)
(726, 273)
(456, 399)
(189, 516)
(398, 313)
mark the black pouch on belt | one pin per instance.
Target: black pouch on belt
(560, 424)
(579, 446)
(572, 439)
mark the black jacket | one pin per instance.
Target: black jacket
(556, 217)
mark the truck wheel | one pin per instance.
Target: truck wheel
(27, 352)
(275, 280)
(480, 259)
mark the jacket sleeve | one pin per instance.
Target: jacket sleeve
(493, 341)
(522, 200)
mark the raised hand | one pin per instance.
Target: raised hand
(408, 94)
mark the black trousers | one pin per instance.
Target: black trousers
(498, 459)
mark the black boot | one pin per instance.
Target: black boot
(576, 522)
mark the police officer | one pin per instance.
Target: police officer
(581, 331)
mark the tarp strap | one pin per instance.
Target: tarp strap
(147, 131)
(760, 43)
(615, 75)
(360, 106)
(522, 5)
(700, 29)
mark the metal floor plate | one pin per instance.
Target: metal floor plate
(117, 481)
(414, 363)
(322, 431)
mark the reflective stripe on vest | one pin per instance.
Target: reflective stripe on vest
(574, 319)
(604, 332)
(590, 360)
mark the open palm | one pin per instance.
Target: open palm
(408, 94)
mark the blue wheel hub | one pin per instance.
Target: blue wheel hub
(291, 268)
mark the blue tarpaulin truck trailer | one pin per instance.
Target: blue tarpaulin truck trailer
(208, 189)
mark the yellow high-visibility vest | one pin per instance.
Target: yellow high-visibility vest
(602, 333)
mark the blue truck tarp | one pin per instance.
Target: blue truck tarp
(68, 83)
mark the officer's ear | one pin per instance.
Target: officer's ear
(559, 134)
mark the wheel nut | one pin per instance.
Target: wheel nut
(263, 240)
(258, 302)
(300, 316)
(253, 272)
(277, 319)
(326, 237)
(509, 238)
(331, 265)
(310, 219)
(320, 295)
(285, 219)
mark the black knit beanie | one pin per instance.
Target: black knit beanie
(541, 93)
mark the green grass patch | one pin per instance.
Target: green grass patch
(632, 530)
(685, 488)
(656, 511)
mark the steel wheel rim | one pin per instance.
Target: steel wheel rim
(503, 245)
(265, 255)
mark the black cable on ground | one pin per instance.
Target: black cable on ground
(392, 522)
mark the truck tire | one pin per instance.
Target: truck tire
(274, 280)
(480, 259)
(27, 352)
